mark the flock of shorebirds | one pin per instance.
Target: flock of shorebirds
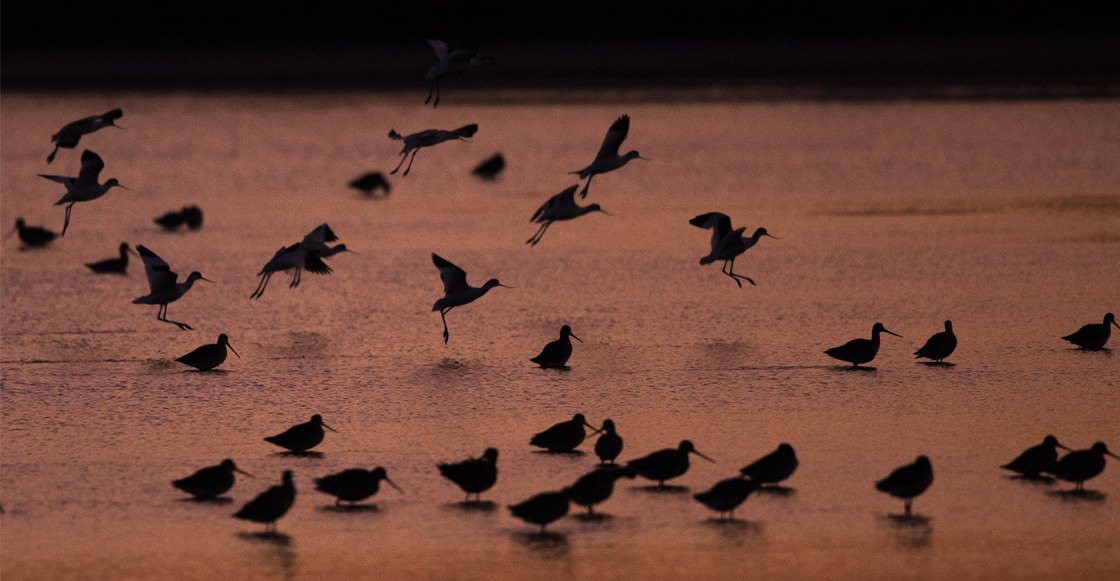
(477, 475)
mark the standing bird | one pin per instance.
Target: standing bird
(727, 244)
(301, 437)
(162, 285)
(560, 207)
(556, 353)
(456, 291)
(940, 345)
(542, 508)
(452, 61)
(208, 357)
(473, 475)
(1081, 465)
(71, 133)
(112, 265)
(354, 484)
(727, 495)
(369, 183)
(270, 505)
(773, 467)
(32, 236)
(665, 464)
(597, 486)
(1036, 459)
(859, 351)
(608, 158)
(609, 445)
(563, 437)
(84, 187)
(908, 481)
(428, 138)
(490, 167)
(1092, 337)
(210, 482)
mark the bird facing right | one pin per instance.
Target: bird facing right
(1036, 459)
(1092, 337)
(727, 495)
(1081, 465)
(300, 438)
(473, 475)
(556, 354)
(859, 351)
(210, 482)
(773, 467)
(562, 438)
(208, 357)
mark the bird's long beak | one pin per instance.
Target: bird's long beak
(573, 336)
(596, 430)
(1113, 321)
(772, 236)
(394, 485)
(328, 427)
(505, 286)
(232, 349)
(243, 472)
(605, 212)
(644, 158)
(124, 188)
(703, 456)
(208, 280)
(1113, 455)
(1062, 447)
(895, 334)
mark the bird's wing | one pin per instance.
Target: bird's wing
(158, 271)
(440, 47)
(453, 277)
(66, 181)
(321, 235)
(615, 136)
(566, 197)
(91, 168)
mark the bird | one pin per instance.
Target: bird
(473, 475)
(859, 351)
(490, 167)
(556, 353)
(456, 291)
(597, 486)
(727, 495)
(192, 215)
(560, 207)
(609, 444)
(161, 282)
(428, 138)
(210, 482)
(1092, 337)
(908, 481)
(317, 240)
(32, 236)
(452, 61)
(84, 187)
(369, 183)
(300, 438)
(1036, 459)
(542, 508)
(773, 467)
(208, 357)
(727, 244)
(665, 464)
(940, 345)
(354, 484)
(113, 265)
(563, 437)
(270, 505)
(1081, 465)
(170, 221)
(296, 257)
(608, 158)
(71, 133)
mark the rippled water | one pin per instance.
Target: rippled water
(1004, 217)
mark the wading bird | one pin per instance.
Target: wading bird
(1036, 459)
(354, 484)
(556, 353)
(665, 464)
(560, 207)
(270, 505)
(940, 345)
(370, 183)
(112, 265)
(162, 286)
(428, 138)
(727, 244)
(32, 236)
(208, 357)
(908, 481)
(301, 437)
(563, 437)
(859, 351)
(490, 167)
(597, 486)
(1081, 465)
(71, 133)
(452, 61)
(609, 445)
(210, 482)
(773, 467)
(608, 158)
(727, 495)
(473, 475)
(542, 508)
(84, 187)
(456, 291)
(1092, 337)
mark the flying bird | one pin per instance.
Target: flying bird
(84, 187)
(859, 351)
(71, 133)
(940, 345)
(608, 158)
(208, 357)
(456, 291)
(162, 285)
(490, 167)
(428, 138)
(452, 61)
(560, 207)
(32, 236)
(727, 244)
(370, 183)
(1092, 337)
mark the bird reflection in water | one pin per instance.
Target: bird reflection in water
(911, 531)
(278, 556)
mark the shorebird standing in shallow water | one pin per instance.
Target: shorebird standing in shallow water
(773, 467)
(556, 353)
(270, 505)
(562, 438)
(1081, 465)
(84, 187)
(71, 133)
(301, 437)
(908, 481)
(210, 482)
(1036, 459)
(609, 445)
(208, 357)
(597, 486)
(456, 291)
(428, 138)
(859, 351)
(940, 345)
(727, 244)
(113, 265)
(727, 495)
(452, 61)
(473, 475)
(665, 464)
(1092, 337)
(608, 158)
(560, 207)
(354, 484)
(542, 508)
(162, 285)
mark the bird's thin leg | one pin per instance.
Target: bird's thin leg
(404, 156)
(540, 232)
(590, 510)
(443, 317)
(731, 272)
(436, 103)
(50, 157)
(66, 224)
(409, 168)
(431, 89)
(583, 194)
(907, 507)
(296, 278)
(182, 326)
(724, 271)
(260, 286)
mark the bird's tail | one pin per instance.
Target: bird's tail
(466, 130)
(707, 260)
(394, 135)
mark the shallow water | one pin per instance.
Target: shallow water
(1004, 217)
